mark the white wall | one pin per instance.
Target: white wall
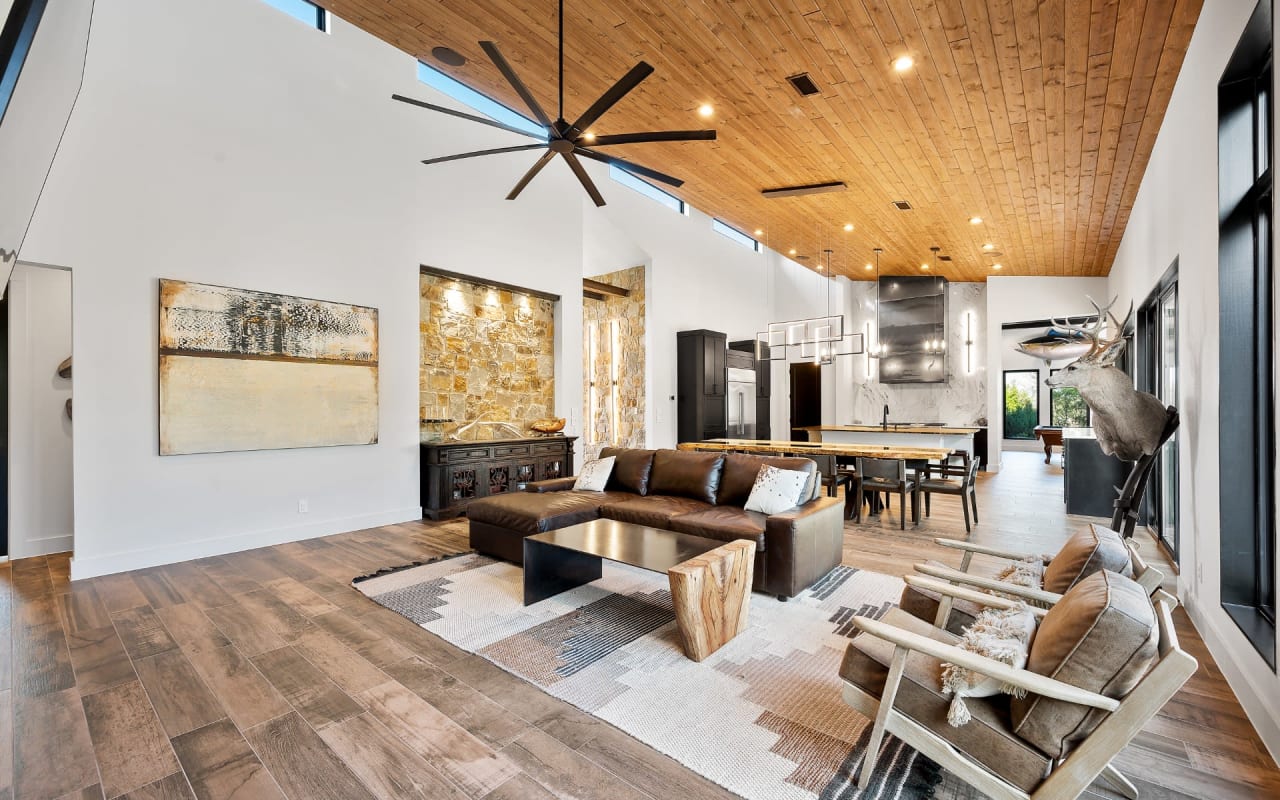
(40, 496)
(1176, 215)
(38, 110)
(285, 169)
(289, 169)
(1018, 299)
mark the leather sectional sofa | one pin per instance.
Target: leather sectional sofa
(696, 493)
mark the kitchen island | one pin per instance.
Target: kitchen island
(906, 434)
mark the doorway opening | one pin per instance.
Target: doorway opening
(38, 453)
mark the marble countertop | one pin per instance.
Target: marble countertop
(896, 428)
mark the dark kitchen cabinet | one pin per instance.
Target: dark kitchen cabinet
(700, 385)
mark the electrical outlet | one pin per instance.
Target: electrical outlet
(302, 507)
(1199, 573)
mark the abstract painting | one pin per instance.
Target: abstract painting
(246, 370)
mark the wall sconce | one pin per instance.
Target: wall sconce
(615, 350)
(968, 342)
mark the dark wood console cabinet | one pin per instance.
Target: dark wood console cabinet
(455, 473)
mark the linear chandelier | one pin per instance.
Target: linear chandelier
(818, 338)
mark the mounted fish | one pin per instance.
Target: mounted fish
(1055, 344)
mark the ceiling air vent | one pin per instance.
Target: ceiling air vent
(447, 55)
(803, 84)
(902, 205)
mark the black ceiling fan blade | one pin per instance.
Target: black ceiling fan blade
(517, 149)
(616, 92)
(584, 178)
(654, 136)
(495, 55)
(461, 115)
(630, 166)
(534, 170)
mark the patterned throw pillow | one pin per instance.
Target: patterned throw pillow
(595, 475)
(999, 634)
(776, 490)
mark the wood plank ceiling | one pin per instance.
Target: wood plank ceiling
(1036, 115)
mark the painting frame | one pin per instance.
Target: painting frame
(242, 370)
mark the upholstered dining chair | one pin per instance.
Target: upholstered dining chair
(889, 475)
(1103, 662)
(1092, 548)
(961, 486)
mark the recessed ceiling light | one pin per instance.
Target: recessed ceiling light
(848, 226)
(791, 252)
(869, 267)
(997, 266)
(988, 246)
(705, 110)
(924, 266)
(759, 231)
(975, 220)
(903, 63)
(589, 136)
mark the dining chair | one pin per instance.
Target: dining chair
(834, 477)
(889, 475)
(962, 487)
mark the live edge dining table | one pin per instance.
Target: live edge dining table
(915, 457)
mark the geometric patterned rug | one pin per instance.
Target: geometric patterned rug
(762, 716)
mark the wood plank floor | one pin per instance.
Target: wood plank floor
(264, 675)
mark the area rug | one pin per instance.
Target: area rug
(762, 716)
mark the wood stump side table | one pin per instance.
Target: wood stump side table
(711, 594)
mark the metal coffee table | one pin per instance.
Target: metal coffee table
(558, 561)
(710, 580)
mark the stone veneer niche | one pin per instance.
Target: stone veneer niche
(485, 351)
(597, 316)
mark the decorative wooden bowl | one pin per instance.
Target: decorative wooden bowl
(548, 425)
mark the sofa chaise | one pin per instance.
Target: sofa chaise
(702, 494)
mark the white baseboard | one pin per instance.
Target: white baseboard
(30, 548)
(1259, 706)
(92, 567)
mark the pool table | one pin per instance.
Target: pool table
(1052, 437)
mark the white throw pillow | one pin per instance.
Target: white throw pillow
(1000, 634)
(595, 475)
(776, 490)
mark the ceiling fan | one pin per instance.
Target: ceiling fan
(567, 139)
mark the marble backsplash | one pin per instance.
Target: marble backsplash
(961, 400)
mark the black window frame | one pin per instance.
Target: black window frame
(1246, 367)
(1053, 396)
(16, 39)
(1004, 412)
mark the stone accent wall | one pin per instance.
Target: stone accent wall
(597, 315)
(485, 351)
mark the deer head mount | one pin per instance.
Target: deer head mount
(1128, 423)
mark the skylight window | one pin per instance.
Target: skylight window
(470, 97)
(648, 190)
(736, 235)
(310, 13)
(15, 43)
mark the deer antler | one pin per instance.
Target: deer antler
(1096, 346)
(1109, 349)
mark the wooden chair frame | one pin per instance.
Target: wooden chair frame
(1070, 776)
(967, 492)
(1145, 575)
(907, 483)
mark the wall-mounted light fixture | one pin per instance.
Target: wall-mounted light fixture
(968, 342)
